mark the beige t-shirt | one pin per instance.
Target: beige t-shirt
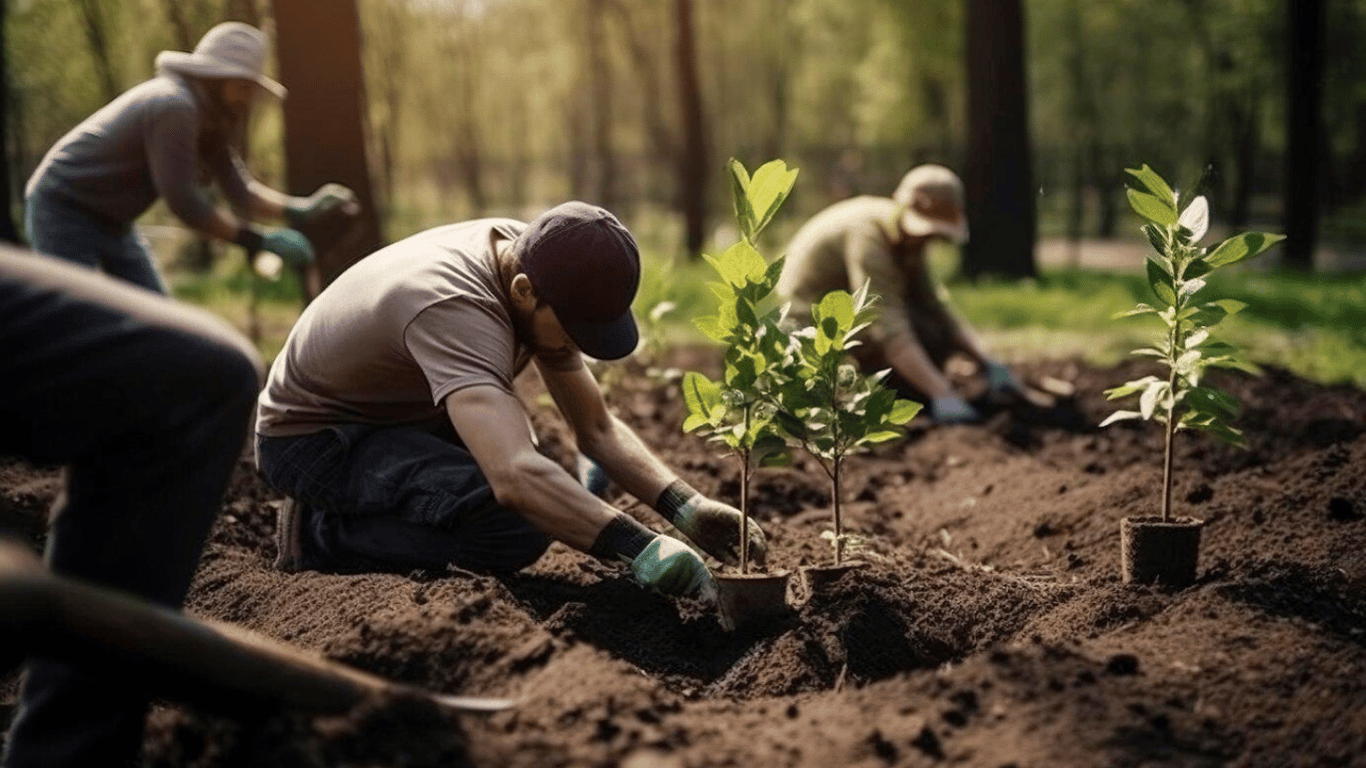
(396, 333)
(854, 241)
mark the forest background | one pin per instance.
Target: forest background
(466, 108)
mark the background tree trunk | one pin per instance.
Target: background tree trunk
(320, 63)
(97, 34)
(8, 233)
(1306, 29)
(692, 163)
(999, 182)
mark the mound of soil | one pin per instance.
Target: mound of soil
(990, 627)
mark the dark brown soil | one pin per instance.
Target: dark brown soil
(990, 629)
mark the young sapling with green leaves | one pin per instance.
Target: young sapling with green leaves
(828, 405)
(738, 411)
(1177, 272)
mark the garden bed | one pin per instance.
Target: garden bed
(990, 629)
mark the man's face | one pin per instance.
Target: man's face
(546, 338)
(235, 95)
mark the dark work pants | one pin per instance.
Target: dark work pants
(395, 498)
(149, 419)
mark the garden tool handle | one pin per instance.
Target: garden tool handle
(203, 662)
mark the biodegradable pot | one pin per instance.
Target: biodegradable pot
(816, 578)
(750, 600)
(1154, 551)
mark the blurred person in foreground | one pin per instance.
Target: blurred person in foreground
(166, 138)
(391, 420)
(146, 402)
(884, 241)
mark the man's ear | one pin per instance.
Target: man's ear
(523, 292)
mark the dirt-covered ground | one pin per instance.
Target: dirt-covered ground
(991, 628)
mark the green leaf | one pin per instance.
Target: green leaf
(1195, 218)
(768, 188)
(1208, 399)
(1241, 248)
(1130, 388)
(701, 395)
(903, 411)
(739, 195)
(1157, 237)
(1189, 287)
(1120, 416)
(1231, 306)
(1148, 401)
(881, 436)
(712, 327)
(1141, 309)
(1151, 208)
(1153, 184)
(1161, 283)
(836, 305)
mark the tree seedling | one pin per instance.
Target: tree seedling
(1177, 272)
(738, 411)
(828, 405)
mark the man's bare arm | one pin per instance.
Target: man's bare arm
(492, 424)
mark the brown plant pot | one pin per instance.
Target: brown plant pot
(816, 578)
(1153, 551)
(751, 600)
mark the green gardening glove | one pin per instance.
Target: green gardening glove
(328, 198)
(712, 525)
(290, 245)
(668, 565)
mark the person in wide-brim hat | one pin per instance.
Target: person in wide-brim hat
(160, 140)
(882, 242)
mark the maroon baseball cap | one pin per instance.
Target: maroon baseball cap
(586, 265)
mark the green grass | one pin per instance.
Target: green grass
(1314, 325)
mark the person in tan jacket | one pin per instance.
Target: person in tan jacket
(882, 241)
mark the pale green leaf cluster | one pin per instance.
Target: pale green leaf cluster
(782, 387)
(1176, 272)
(828, 405)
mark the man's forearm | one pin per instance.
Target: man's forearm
(630, 463)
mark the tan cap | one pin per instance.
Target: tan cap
(931, 197)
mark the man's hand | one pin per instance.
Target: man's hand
(1000, 381)
(714, 526)
(951, 409)
(328, 198)
(290, 245)
(668, 565)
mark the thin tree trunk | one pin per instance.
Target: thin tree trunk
(8, 233)
(692, 163)
(600, 111)
(999, 181)
(320, 62)
(96, 33)
(1306, 30)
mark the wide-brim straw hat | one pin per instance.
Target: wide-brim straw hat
(230, 50)
(931, 200)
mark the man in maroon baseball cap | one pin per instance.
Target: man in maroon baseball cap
(391, 420)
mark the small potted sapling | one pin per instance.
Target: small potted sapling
(1163, 549)
(833, 410)
(738, 411)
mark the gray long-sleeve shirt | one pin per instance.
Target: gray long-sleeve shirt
(158, 139)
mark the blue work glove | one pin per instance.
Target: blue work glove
(328, 198)
(951, 409)
(1000, 381)
(290, 245)
(713, 526)
(670, 566)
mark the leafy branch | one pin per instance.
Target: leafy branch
(1177, 272)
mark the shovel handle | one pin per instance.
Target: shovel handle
(203, 662)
